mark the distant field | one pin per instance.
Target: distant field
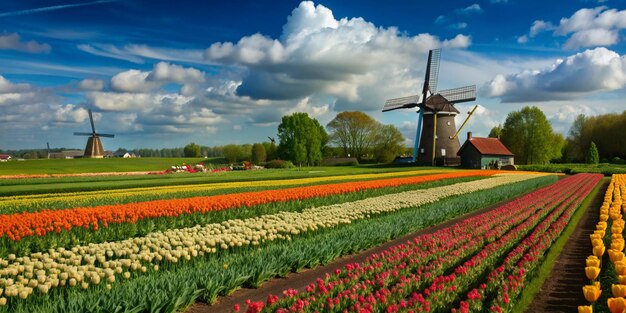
(91, 183)
(607, 169)
(72, 166)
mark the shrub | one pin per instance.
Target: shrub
(279, 164)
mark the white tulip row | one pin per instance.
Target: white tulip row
(107, 262)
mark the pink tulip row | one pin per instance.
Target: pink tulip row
(506, 282)
(435, 271)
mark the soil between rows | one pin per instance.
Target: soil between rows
(562, 290)
(301, 279)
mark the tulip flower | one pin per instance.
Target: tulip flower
(616, 305)
(585, 309)
(592, 272)
(593, 262)
(619, 291)
(598, 251)
(597, 242)
(620, 269)
(592, 292)
(622, 279)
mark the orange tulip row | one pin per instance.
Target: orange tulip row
(610, 212)
(17, 226)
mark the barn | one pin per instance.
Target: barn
(484, 153)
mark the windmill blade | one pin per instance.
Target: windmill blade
(418, 134)
(105, 135)
(434, 59)
(401, 103)
(83, 134)
(93, 127)
(461, 94)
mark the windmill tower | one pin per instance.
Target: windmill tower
(435, 135)
(94, 145)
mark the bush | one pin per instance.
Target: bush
(340, 162)
(279, 164)
(617, 160)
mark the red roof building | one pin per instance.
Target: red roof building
(484, 153)
(4, 157)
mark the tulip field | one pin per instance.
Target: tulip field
(162, 248)
(606, 291)
(479, 265)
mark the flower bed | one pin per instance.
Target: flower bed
(481, 263)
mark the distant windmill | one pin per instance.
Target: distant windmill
(271, 139)
(94, 145)
(48, 145)
(436, 112)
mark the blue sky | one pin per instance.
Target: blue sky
(163, 73)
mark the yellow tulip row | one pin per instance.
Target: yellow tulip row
(108, 262)
(79, 198)
(610, 212)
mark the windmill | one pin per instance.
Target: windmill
(94, 145)
(435, 123)
(48, 145)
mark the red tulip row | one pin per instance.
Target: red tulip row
(433, 272)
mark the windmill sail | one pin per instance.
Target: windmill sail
(434, 59)
(461, 94)
(401, 103)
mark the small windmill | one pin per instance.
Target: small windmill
(430, 105)
(94, 145)
(48, 145)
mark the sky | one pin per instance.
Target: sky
(162, 74)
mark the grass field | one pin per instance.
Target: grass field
(72, 166)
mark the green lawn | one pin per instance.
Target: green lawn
(71, 166)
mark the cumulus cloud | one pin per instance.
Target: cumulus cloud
(91, 84)
(161, 74)
(70, 113)
(578, 75)
(319, 54)
(14, 42)
(587, 27)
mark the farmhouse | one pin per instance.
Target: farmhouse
(484, 153)
(67, 154)
(4, 157)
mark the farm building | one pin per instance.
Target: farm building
(4, 157)
(67, 154)
(484, 153)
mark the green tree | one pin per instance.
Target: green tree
(389, 144)
(258, 153)
(302, 139)
(495, 132)
(355, 132)
(232, 153)
(528, 134)
(575, 141)
(270, 150)
(593, 157)
(192, 150)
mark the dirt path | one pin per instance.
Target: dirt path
(562, 290)
(302, 279)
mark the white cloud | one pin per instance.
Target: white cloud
(318, 54)
(499, 1)
(70, 113)
(8, 87)
(13, 42)
(587, 27)
(522, 39)
(474, 8)
(591, 38)
(91, 84)
(573, 77)
(461, 25)
(161, 74)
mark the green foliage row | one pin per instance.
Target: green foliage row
(604, 168)
(176, 286)
(114, 232)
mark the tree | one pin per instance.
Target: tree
(270, 150)
(495, 132)
(232, 153)
(258, 153)
(389, 144)
(355, 132)
(529, 135)
(593, 157)
(302, 139)
(192, 150)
